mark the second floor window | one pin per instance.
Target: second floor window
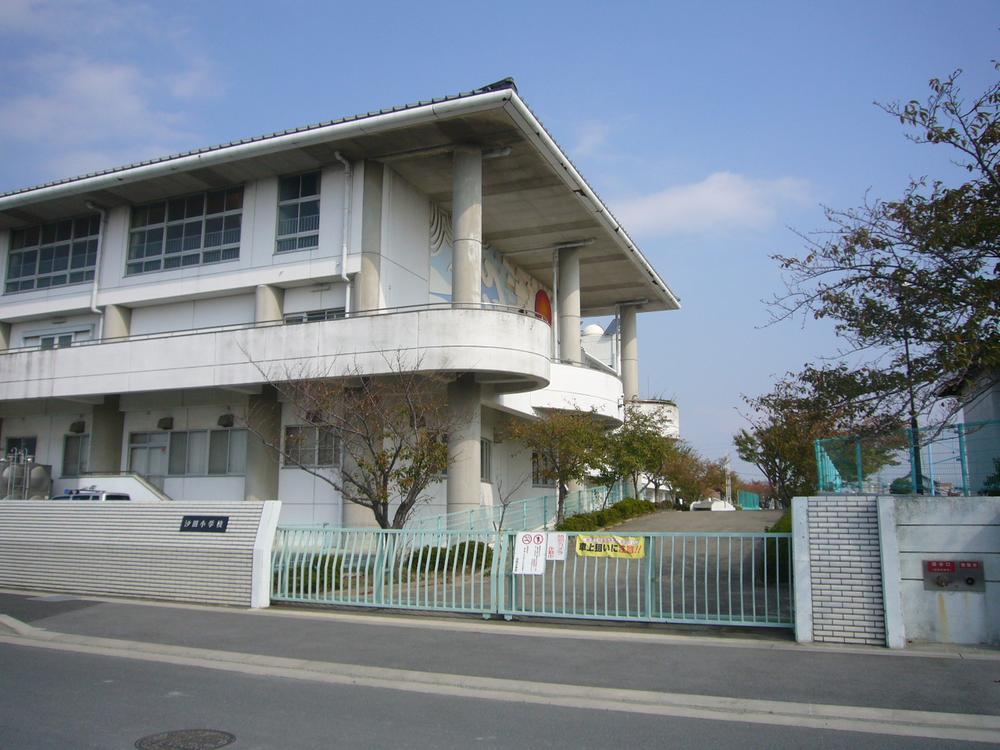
(181, 232)
(298, 213)
(52, 255)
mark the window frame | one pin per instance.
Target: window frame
(298, 235)
(175, 437)
(82, 458)
(536, 478)
(83, 235)
(486, 460)
(11, 443)
(158, 217)
(292, 460)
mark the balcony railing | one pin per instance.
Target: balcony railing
(290, 321)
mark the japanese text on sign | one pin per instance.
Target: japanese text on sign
(529, 553)
(611, 546)
(216, 524)
(555, 547)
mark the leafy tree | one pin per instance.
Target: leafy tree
(567, 444)
(388, 430)
(680, 467)
(631, 450)
(911, 284)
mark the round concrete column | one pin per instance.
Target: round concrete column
(270, 303)
(117, 321)
(568, 305)
(464, 468)
(467, 225)
(630, 353)
(4, 335)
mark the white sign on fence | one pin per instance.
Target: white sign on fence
(555, 547)
(529, 553)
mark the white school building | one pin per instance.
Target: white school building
(140, 303)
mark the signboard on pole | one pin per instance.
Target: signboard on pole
(529, 553)
(633, 547)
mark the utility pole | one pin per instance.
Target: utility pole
(729, 480)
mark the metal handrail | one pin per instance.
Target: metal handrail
(510, 309)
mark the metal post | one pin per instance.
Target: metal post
(860, 470)
(963, 459)
(914, 460)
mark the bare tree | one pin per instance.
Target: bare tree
(384, 433)
(506, 497)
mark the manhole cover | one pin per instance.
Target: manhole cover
(186, 739)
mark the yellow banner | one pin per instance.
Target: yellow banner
(611, 546)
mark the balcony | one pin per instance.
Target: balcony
(505, 346)
(571, 387)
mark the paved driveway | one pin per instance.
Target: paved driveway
(703, 520)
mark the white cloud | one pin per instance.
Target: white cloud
(722, 202)
(590, 137)
(104, 83)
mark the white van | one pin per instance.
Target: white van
(92, 494)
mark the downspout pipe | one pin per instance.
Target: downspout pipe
(345, 228)
(97, 267)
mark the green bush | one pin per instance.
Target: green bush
(318, 575)
(461, 556)
(778, 566)
(599, 519)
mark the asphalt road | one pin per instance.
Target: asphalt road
(82, 673)
(703, 520)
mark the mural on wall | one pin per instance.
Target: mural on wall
(503, 282)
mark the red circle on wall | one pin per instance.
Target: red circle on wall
(543, 305)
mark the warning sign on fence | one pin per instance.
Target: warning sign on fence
(555, 548)
(529, 553)
(611, 546)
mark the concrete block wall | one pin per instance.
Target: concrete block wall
(844, 568)
(136, 549)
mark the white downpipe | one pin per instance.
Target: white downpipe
(97, 268)
(345, 228)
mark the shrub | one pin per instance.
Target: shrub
(318, 575)
(461, 556)
(599, 519)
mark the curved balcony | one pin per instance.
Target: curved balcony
(501, 345)
(571, 387)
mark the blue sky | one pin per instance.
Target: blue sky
(711, 131)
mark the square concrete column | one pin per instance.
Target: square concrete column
(369, 284)
(464, 459)
(117, 322)
(269, 303)
(106, 430)
(264, 418)
(467, 225)
(630, 353)
(568, 305)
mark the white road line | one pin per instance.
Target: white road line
(905, 723)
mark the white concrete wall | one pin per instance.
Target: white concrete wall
(323, 296)
(83, 325)
(405, 243)
(306, 498)
(571, 388)
(199, 313)
(948, 529)
(136, 549)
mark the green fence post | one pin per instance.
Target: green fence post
(650, 577)
(964, 459)
(820, 468)
(545, 511)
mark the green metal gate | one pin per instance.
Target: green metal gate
(709, 578)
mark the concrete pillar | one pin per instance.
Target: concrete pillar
(263, 419)
(467, 225)
(568, 305)
(464, 468)
(4, 336)
(107, 425)
(630, 353)
(269, 303)
(117, 321)
(369, 291)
